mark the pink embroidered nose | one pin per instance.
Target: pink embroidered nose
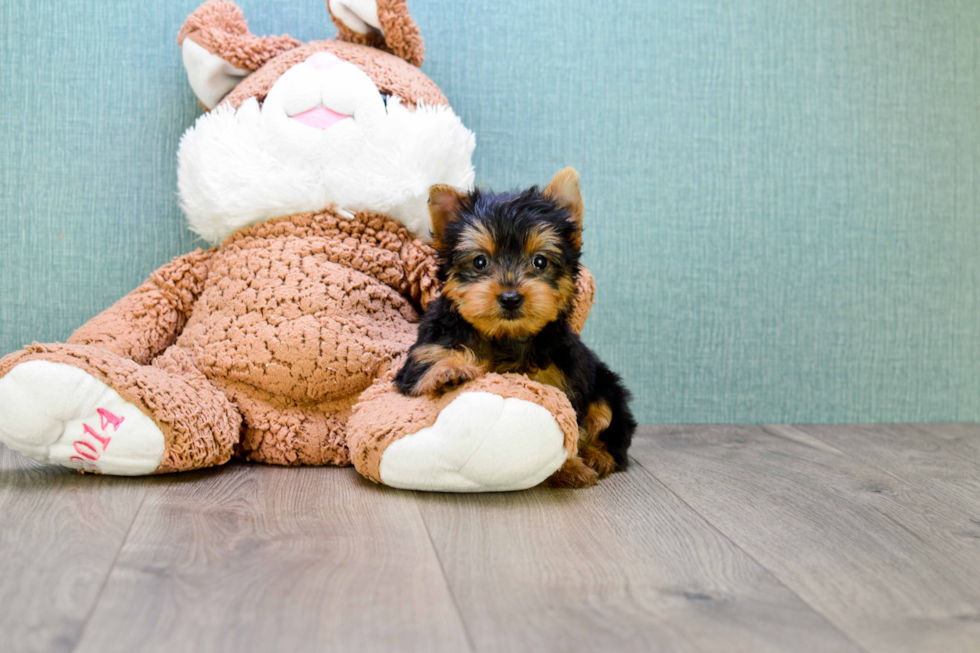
(323, 60)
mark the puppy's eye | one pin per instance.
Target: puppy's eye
(540, 262)
(481, 262)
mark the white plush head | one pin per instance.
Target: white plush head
(321, 134)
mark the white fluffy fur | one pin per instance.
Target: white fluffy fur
(239, 168)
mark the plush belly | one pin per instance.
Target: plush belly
(311, 331)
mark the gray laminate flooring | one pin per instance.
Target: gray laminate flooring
(718, 538)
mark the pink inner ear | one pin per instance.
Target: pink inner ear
(320, 118)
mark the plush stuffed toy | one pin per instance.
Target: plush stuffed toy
(310, 173)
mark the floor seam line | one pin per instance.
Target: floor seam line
(445, 578)
(738, 546)
(105, 581)
(769, 430)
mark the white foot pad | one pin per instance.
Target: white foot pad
(58, 414)
(480, 442)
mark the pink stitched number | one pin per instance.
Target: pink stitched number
(91, 456)
(109, 418)
(101, 438)
(85, 463)
(87, 457)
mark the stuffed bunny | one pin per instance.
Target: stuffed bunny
(309, 172)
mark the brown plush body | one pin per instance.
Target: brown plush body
(264, 344)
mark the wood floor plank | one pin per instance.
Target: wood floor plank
(256, 558)
(59, 534)
(852, 541)
(623, 566)
(940, 459)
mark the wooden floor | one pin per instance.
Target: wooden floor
(718, 538)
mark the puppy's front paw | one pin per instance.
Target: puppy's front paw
(574, 474)
(445, 375)
(596, 457)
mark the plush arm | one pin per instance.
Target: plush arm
(499, 432)
(148, 320)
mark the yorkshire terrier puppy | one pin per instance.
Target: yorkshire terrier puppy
(509, 263)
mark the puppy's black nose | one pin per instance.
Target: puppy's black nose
(510, 300)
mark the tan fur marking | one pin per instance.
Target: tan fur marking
(453, 289)
(477, 303)
(542, 304)
(477, 237)
(444, 206)
(550, 375)
(591, 448)
(596, 457)
(541, 239)
(566, 293)
(449, 367)
(564, 189)
(429, 354)
(596, 420)
(574, 474)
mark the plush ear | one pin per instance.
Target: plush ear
(218, 50)
(565, 191)
(382, 24)
(445, 206)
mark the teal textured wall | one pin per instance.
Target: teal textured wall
(782, 198)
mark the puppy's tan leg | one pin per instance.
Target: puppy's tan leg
(449, 367)
(596, 457)
(574, 474)
(591, 448)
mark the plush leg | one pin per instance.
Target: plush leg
(278, 432)
(499, 432)
(86, 408)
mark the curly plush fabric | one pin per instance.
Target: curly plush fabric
(146, 321)
(584, 298)
(279, 346)
(383, 415)
(200, 425)
(401, 35)
(271, 347)
(391, 61)
(390, 74)
(220, 27)
(279, 331)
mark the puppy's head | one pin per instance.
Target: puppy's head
(509, 261)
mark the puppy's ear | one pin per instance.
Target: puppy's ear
(445, 205)
(565, 191)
